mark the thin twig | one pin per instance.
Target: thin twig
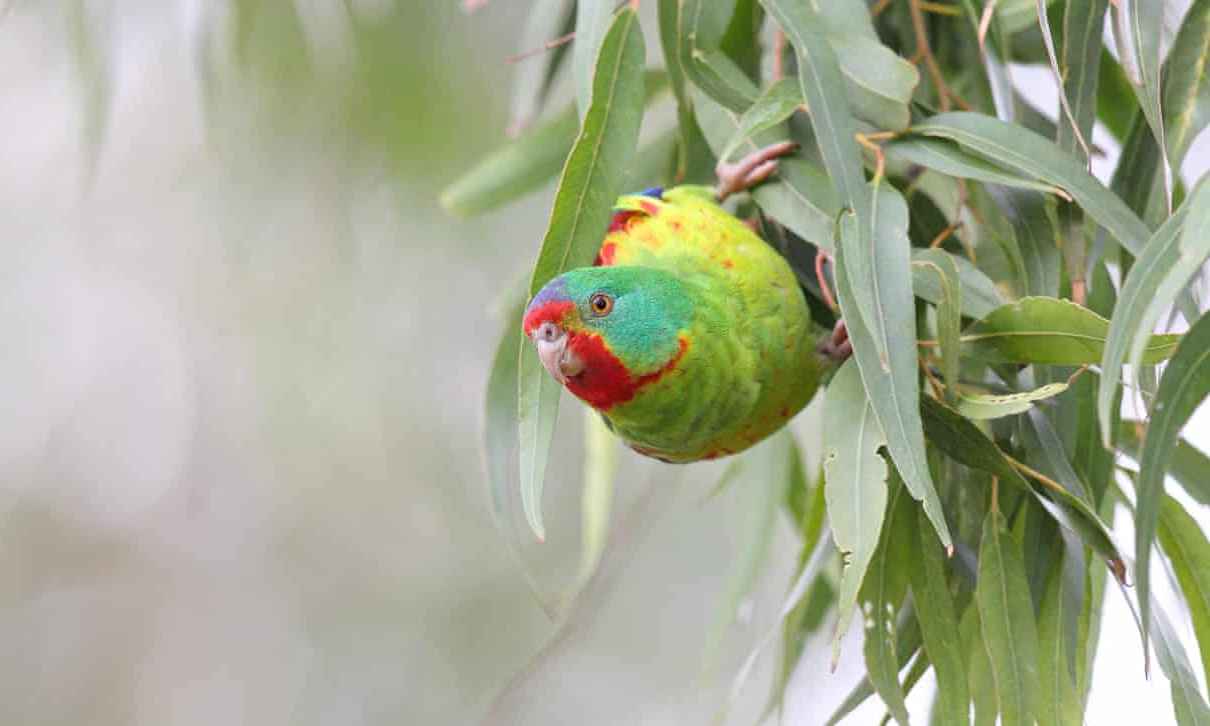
(922, 45)
(944, 234)
(878, 7)
(1034, 474)
(940, 8)
(779, 50)
(938, 389)
(548, 45)
(869, 141)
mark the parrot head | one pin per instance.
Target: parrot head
(606, 332)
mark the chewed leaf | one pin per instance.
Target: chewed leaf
(985, 405)
(854, 485)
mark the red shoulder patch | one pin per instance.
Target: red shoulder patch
(605, 256)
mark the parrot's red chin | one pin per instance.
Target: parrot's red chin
(604, 381)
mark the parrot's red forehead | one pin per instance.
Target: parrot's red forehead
(552, 311)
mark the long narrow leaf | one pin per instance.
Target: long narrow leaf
(1009, 629)
(854, 485)
(874, 258)
(1185, 384)
(939, 625)
(591, 181)
(1187, 547)
(1034, 155)
(1050, 331)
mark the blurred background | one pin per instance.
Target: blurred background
(243, 368)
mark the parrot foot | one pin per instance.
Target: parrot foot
(750, 170)
(838, 347)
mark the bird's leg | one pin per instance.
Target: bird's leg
(750, 170)
(838, 347)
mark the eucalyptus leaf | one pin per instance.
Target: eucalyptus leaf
(1050, 331)
(548, 19)
(1186, 383)
(591, 181)
(855, 486)
(949, 158)
(525, 164)
(1038, 157)
(979, 294)
(596, 499)
(890, 369)
(1171, 258)
(1009, 630)
(593, 20)
(1187, 702)
(939, 624)
(1058, 699)
(774, 105)
(1141, 23)
(949, 317)
(963, 442)
(882, 595)
(1186, 463)
(986, 405)
(1188, 549)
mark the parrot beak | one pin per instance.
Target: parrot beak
(559, 360)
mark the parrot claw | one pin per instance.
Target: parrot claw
(838, 347)
(751, 170)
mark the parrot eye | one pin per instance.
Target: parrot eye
(601, 304)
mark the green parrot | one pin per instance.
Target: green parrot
(690, 335)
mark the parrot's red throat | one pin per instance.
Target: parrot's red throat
(605, 381)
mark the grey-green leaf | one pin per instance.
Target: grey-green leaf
(1187, 702)
(591, 181)
(548, 19)
(963, 442)
(1187, 547)
(1058, 700)
(854, 485)
(979, 294)
(592, 24)
(514, 169)
(596, 499)
(1187, 463)
(882, 594)
(1050, 331)
(1139, 307)
(880, 82)
(1142, 22)
(949, 158)
(881, 273)
(986, 406)
(800, 196)
(1006, 614)
(1040, 158)
(770, 109)
(1186, 383)
(949, 316)
(939, 624)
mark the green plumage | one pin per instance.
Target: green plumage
(708, 322)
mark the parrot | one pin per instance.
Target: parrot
(690, 334)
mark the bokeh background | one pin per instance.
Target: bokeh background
(242, 368)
